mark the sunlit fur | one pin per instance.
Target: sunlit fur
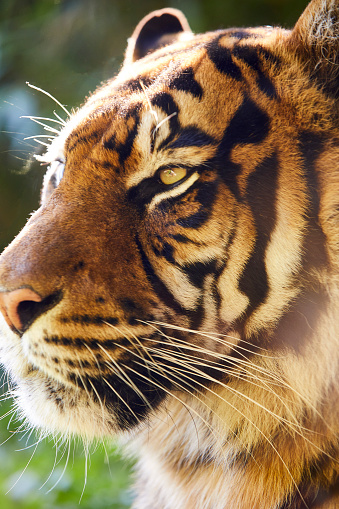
(196, 321)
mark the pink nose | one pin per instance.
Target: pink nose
(12, 302)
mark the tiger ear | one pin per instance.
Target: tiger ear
(316, 38)
(158, 29)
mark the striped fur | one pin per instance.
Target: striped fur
(196, 319)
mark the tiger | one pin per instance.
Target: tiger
(178, 287)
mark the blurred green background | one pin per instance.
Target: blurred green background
(67, 47)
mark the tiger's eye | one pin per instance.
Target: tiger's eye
(172, 175)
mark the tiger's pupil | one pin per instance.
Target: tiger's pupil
(171, 176)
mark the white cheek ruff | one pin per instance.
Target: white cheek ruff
(72, 415)
(176, 191)
(46, 403)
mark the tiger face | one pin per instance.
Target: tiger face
(182, 267)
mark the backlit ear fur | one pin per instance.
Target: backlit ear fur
(155, 30)
(316, 38)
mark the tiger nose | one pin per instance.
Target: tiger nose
(18, 307)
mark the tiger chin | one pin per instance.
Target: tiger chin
(179, 285)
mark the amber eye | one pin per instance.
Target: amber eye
(172, 175)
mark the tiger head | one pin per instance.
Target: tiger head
(185, 254)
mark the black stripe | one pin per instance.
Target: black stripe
(198, 271)
(216, 293)
(134, 85)
(90, 320)
(250, 55)
(110, 143)
(242, 34)
(141, 377)
(195, 220)
(266, 54)
(169, 106)
(191, 137)
(77, 138)
(207, 192)
(158, 286)
(222, 59)
(206, 195)
(261, 197)
(165, 252)
(80, 342)
(183, 239)
(312, 145)
(125, 149)
(186, 82)
(249, 125)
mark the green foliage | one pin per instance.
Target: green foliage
(35, 476)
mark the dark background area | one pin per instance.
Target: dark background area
(67, 47)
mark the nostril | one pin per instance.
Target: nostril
(27, 311)
(10, 303)
(21, 307)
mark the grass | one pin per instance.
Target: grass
(31, 478)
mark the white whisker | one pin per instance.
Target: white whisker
(166, 119)
(154, 113)
(24, 470)
(35, 119)
(63, 471)
(50, 96)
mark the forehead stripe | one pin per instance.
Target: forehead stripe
(191, 137)
(251, 57)
(186, 82)
(222, 59)
(249, 125)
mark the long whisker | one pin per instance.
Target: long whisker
(154, 367)
(61, 120)
(161, 387)
(248, 376)
(50, 96)
(154, 113)
(24, 470)
(87, 457)
(121, 399)
(127, 380)
(35, 119)
(93, 388)
(187, 407)
(35, 136)
(253, 424)
(64, 469)
(192, 368)
(166, 119)
(214, 336)
(295, 426)
(45, 126)
(53, 468)
(280, 381)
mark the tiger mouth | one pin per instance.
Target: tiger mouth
(126, 400)
(130, 387)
